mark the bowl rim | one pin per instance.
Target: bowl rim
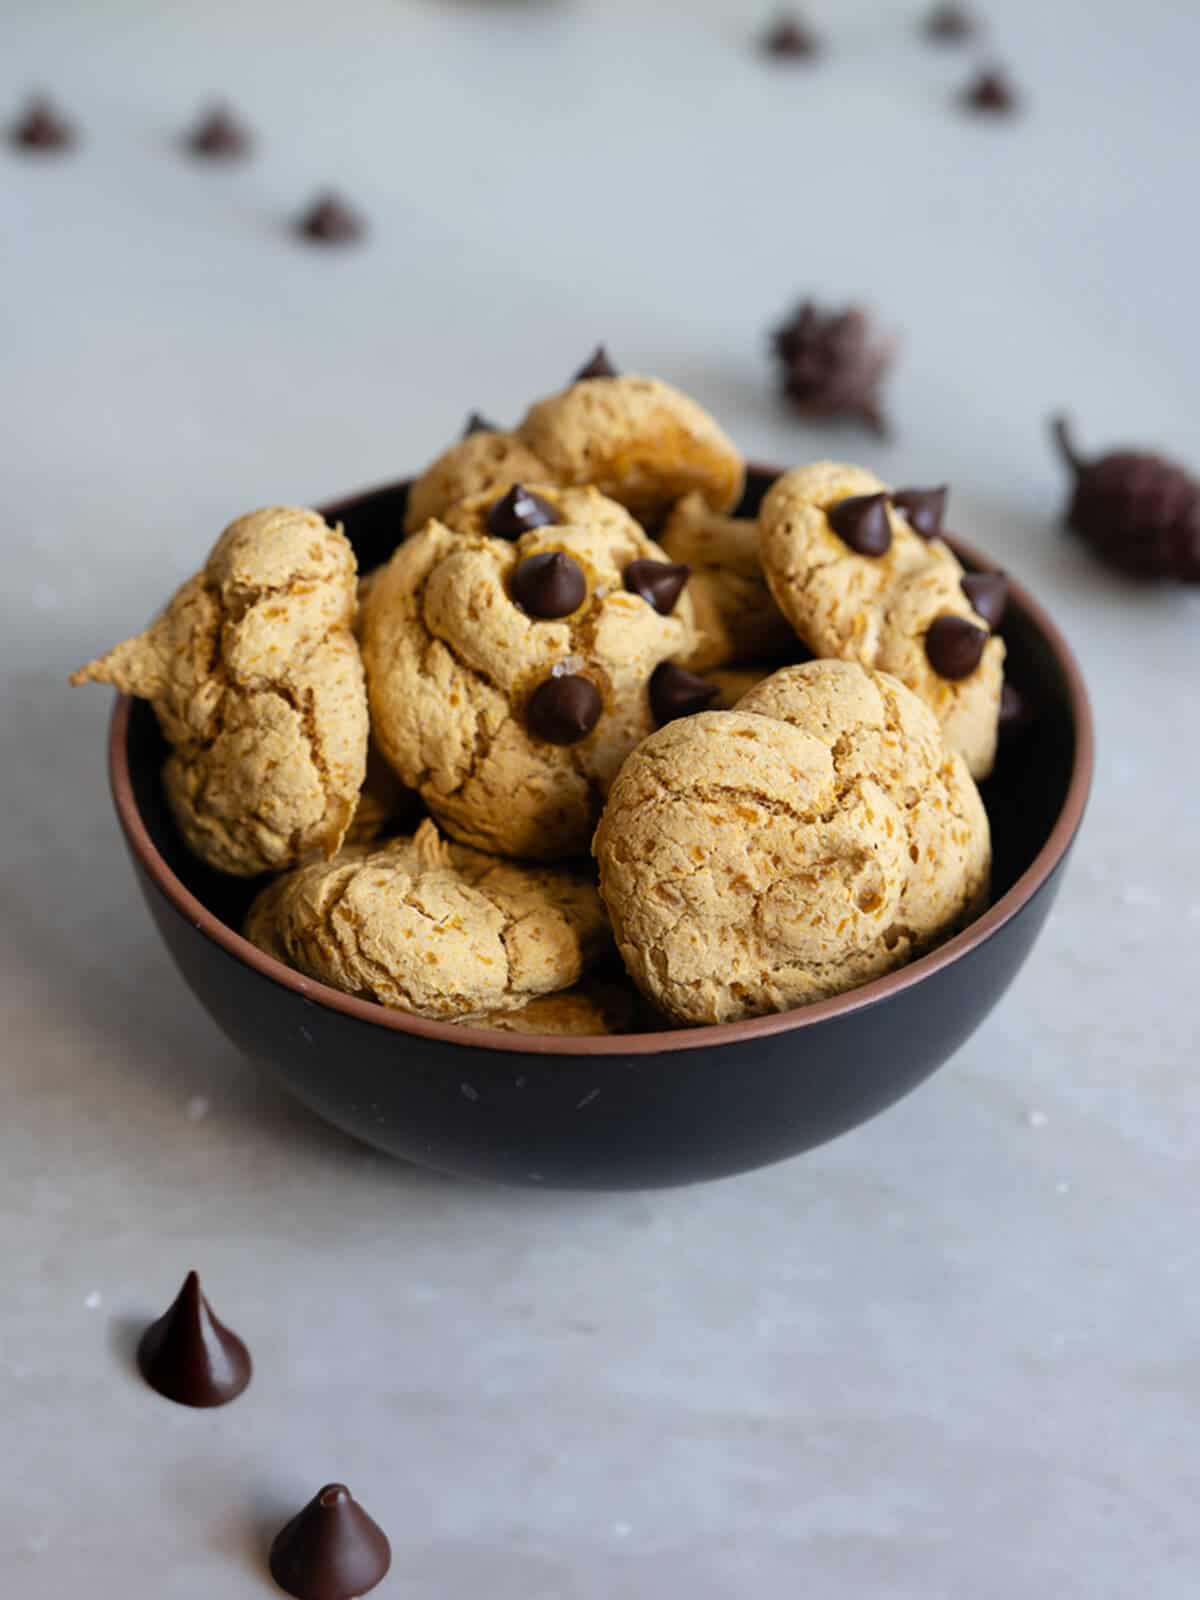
(664, 1042)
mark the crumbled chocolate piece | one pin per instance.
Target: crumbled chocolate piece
(861, 521)
(597, 366)
(954, 646)
(950, 24)
(41, 127)
(832, 365)
(191, 1357)
(790, 38)
(991, 92)
(564, 710)
(924, 509)
(218, 136)
(479, 424)
(676, 692)
(332, 1550)
(660, 583)
(988, 594)
(548, 584)
(518, 511)
(1139, 512)
(331, 221)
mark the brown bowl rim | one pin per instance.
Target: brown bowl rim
(637, 1044)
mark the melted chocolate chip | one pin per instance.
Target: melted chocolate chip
(42, 128)
(676, 692)
(954, 646)
(518, 511)
(949, 23)
(218, 136)
(1016, 714)
(924, 509)
(548, 584)
(861, 521)
(190, 1357)
(990, 92)
(988, 594)
(331, 221)
(597, 366)
(332, 1550)
(789, 37)
(479, 424)
(660, 583)
(564, 710)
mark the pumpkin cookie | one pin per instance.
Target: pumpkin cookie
(820, 835)
(432, 927)
(859, 582)
(257, 684)
(485, 459)
(591, 1007)
(510, 653)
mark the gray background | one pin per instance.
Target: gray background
(953, 1354)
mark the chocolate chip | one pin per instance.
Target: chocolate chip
(833, 364)
(924, 509)
(218, 136)
(949, 23)
(660, 583)
(861, 521)
(190, 1357)
(1016, 714)
(954, 646)
(548, 584)
(988, 594)
(478, 424)
(518, 511)
(42, 128)
(676, 692)
(789, 37)
(990, 92)
(564, 710)
(331, 221)
(598, 366)
(332, 1550)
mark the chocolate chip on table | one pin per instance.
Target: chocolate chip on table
(41, 127)
(660, 583)
(991, 92)
(954, 646)
(861, 521)
(548, 584)
(832, 364)
(790, 38)
(949, 23)
(564, 710)
(988, 594)
(332, 1550)
(518, 511)
(191, 1357)
(676, 692)
(924, 509)
(329, 220)
(476, 423)
(219, 136)
(1016, 714)
(597, 366)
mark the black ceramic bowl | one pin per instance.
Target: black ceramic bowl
(644, 1109)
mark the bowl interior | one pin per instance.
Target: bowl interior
(1024, 797)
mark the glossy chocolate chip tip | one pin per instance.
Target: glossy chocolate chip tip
(659, 583)
(924, 508)
(988, 594)
(476, 423)
(331, 1550)
(598, 365)
(676, 692)
(519, 511)
(42, 127)
(861, 521)
(329, 220)
(191, 1357)
(954, 646)
(564, 710)
(548, 584)
(219, 136)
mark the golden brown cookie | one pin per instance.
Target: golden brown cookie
(736, 616)
(638, 441)
(735, 681)
(483, 460)
(509, 715)
(432, 927)
(818, 836)
(384, 804)
(256, 680)
(590, 1008)
(877, 609)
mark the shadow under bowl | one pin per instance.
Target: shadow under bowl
(639, 1110)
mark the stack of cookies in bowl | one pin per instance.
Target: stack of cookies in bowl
(592, 752)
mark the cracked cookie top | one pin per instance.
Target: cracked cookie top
(508, 713)
(256, 681)
(817, 836)
(433, 927)
(871, 592)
